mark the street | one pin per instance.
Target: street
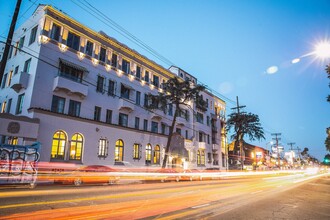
(272, 196)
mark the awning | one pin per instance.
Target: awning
(127, 86)
(73, 65)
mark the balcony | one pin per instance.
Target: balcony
(188, 144)
(126, 105)
(215, 147)
(201, 145)
(20, 81)
(70, 86)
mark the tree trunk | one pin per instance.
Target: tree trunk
(167, 149)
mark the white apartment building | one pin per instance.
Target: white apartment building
(82, 95)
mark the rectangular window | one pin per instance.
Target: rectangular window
(187, 134)
(138, 72)
(146, 100)
(10, 76)
(55, 32)
(125, 66)
(97, 113)
(208, 139)
(170, 109)
(138, 98)
(200, 117)
(207, 103)
(102, 54)
(114, 60)
(178, 130)
(73, 41)
(154, 127)
(200, 137)
(9, 106)
(124, 92)
(3, 107)
(111, 88)
(108, 118)
(27, 64)
(10, 52)
(137, 123)
(136, 151)
(89, 48)
(71, 73)
(33, 35)
(145, 125)
(16, 48)
(19, 105)
(21, 42)
(146, 76)
(163, 128)
(155, 81)
(208, 120)
(100, 83)
(103, 148)
(16, 70)
(74, 108)
(123, 120)
(4, 80)
(58, 104)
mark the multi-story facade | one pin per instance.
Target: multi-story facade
(83, 96)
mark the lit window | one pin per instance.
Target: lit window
(157, 155)
(10, 76)
(58, 145)
(136, 151)
(103, 148)
(3, 107)
(13, 140)
(76, 147)
(119, 151)
(148, 154)
(198, 158)
(202, 157)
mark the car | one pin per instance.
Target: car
(90, 174)
(191, 174)
(168, 174)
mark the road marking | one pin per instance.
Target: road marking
(200, 206)
(256, 192)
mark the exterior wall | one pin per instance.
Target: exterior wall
(42, 85)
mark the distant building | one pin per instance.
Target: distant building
(82, 95)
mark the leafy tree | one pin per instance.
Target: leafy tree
(327, 69)
(176, 93)
(244, 124)
(327, 140)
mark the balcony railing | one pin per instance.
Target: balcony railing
(20, 81)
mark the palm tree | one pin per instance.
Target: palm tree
(176, 93)
(244, 124)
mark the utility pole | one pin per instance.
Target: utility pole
(239, 135)
(9, 39)
(291, 144)
(278, 152)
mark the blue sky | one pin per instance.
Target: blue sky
(228, 45)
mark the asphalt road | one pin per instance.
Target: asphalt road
(249, 197)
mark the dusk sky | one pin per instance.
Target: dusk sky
(230, 46)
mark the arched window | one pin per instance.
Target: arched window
(148, 154)
(157, 154)
(119, 151)
(202, 157)
(198, 157)
(58, 145)
(76, 147)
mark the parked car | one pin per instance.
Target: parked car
(191, 174)
(168, 174)
(91, 174)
